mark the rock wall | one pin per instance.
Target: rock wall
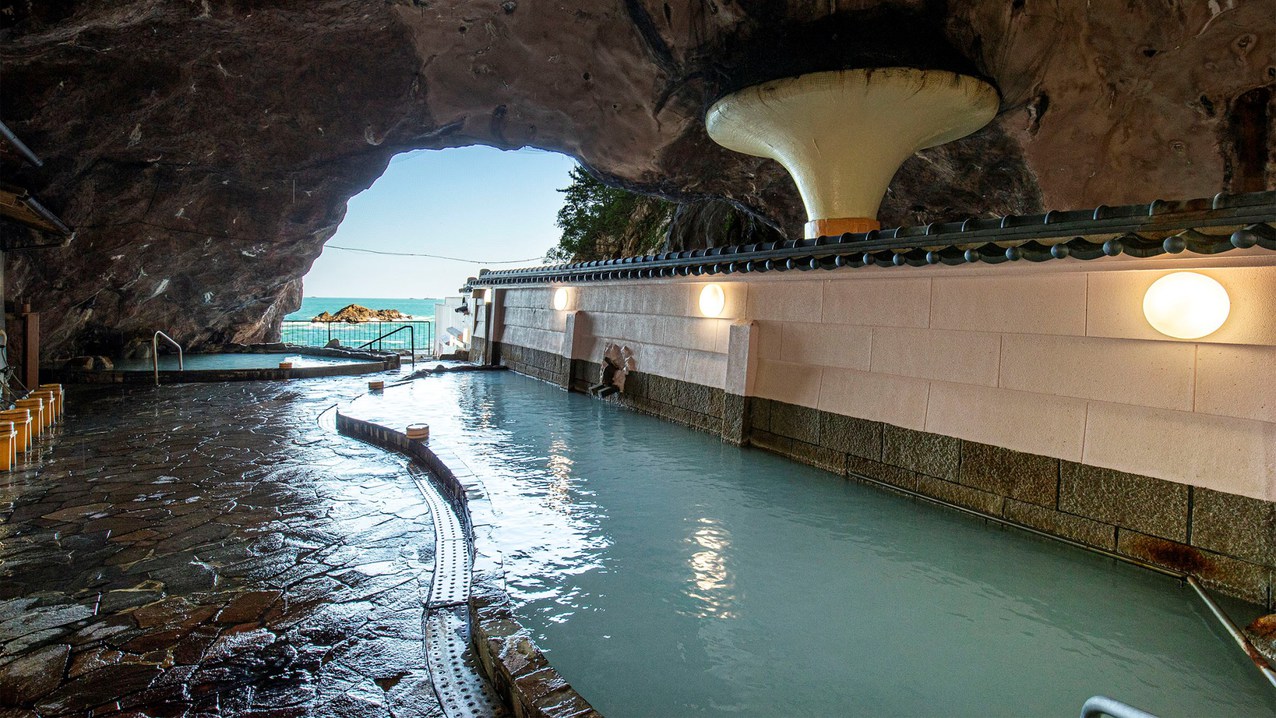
(205, 149)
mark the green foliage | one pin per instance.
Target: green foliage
(601, 222)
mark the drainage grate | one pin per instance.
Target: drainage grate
(454, 669)
(451, 584)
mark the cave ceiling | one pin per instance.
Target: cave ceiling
(204, 150)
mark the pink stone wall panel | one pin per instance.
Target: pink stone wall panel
(1155, 374)
(793, 301)
(848, 347)
(1023, 421)
(1036, 304)
(878, 302)
(1236, 456)
(705, 368)
(966, 357)
(895, 400)
(1236, 381)
(790, 383)
(1116, 305)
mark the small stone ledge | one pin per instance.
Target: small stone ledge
(517, 669)
(370, 363)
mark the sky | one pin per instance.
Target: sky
(475, 203)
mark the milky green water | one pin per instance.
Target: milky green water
(168, 362)
(667, 574)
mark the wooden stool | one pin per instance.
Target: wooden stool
(8, 450)
(36, 406)
(59, 395)
(50, 405)
(21, 419)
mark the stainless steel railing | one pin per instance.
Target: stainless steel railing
(1103, 706)
(181, 362)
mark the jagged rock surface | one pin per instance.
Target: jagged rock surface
(355, 313)
(205, 149)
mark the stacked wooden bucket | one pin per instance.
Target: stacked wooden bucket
(31, 416)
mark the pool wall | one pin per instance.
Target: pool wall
(1037, 395)
(370, 362)
(517, 669)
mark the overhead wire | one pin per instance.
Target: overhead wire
(432, 256)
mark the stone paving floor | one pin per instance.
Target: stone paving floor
(208, 549)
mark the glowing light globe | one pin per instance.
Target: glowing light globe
(1186, 305)
(712, 300)
(561, 296)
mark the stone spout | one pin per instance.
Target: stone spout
(842, 135)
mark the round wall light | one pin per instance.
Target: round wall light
(712, 300)
(1186, 305)
(561, 297)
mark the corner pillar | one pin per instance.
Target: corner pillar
(742, 367)
(575, 336)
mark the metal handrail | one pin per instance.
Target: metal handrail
(1097, 706)
(1259, 661)
(411, 340)
(181, 362)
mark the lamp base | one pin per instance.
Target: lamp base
(840, 225)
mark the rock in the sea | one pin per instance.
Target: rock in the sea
(354, 313)
(204, 173)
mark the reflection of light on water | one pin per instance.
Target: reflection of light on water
(711, 581)
(558, 490)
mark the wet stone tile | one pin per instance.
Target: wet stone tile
(33, 675)
(930, 454)
(857, 467)
(157, 560)
(959, 495)
(1016, 475)
(1141, 503)
(795, 422)
(1081, 530)
(1234, 525)
(1238, 578)
(849, 435)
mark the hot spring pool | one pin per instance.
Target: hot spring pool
(205, 362)
(667, 574)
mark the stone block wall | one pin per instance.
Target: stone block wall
(543, 365)
(1035, 394)
(1053, 363)
(1227, 541)
(659, 322)
(695, 405)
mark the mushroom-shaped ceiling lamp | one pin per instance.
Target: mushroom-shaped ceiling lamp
(843, 134)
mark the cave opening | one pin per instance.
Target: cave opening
(433, 218)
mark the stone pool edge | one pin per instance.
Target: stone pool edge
(372, 362)
(516, 667)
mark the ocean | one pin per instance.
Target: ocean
(298, 329)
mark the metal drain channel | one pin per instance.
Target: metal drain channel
(454, 670)
(451, 584)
